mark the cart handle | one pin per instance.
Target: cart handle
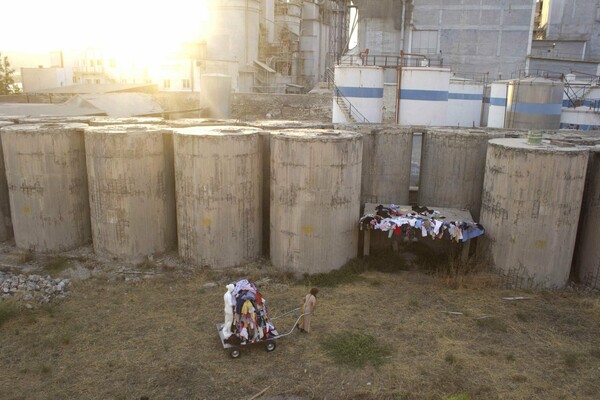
(294, 326)
(287, 313)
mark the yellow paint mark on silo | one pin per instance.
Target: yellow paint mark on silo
(206, 221)
(26, 210)
(307, 229)
(540, 244)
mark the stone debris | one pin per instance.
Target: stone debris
(33, 288)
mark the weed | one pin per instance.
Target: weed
(46, 369)
(147, 265)
(26, 257)
(8, 310)
(595, 352)
(450, 358)
(510, 357)
(376, 283)
(519, 378)
(413, 303)
(55, 265)
(570, 359)
(492, 324)
(355, 349)
(521, 316)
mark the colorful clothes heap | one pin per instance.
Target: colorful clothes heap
(422, 222)
(251, 319)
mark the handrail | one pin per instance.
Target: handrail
(338, 95)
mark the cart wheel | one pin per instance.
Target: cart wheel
(270, 346)
(235, 353)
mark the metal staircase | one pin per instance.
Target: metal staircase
(350, 112)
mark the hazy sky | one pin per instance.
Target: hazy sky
(47, 25)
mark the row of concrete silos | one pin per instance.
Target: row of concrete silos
(314, 177)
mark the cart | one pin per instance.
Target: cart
(269, 344)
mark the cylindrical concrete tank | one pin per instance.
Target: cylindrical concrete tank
(424, 96)
(59, 120)
(534, 103)
(531, 202)
(497, 109)
(587, 257)
(315, 199)
(191, 122)
(11, 118)
(385, 179)
(236, 31)
(47, 184)
(218, 188)
(105, 121)
(5, 222)
(465, 99)
(485, 107)
(359, 95)
(453, 167)
(132, 190)
(272, 124)
(215, 95)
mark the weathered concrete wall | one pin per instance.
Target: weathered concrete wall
(47, 184)
(106, 121)
(45, 98)
(315, 199)
(453, 167)
(218, 185)
(531, 202)
(6, 231)
(132, 190)
(587, 257)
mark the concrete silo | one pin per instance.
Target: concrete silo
(132, 190)
(315, 199)
(5, 222)
(587, 256)
(218, 181)
(47, 184)
(531, 203)
(453, 167)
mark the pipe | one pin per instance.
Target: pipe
(402, 25)
(399, 85)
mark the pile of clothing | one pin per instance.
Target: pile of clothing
(251, 319)
(421, 222)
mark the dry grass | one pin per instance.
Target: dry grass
(157, 338)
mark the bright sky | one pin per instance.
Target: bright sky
(119, 25)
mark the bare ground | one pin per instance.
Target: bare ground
(156, 338)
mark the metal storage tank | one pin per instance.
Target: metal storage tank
(497, 109)
(105, 121)
(132, 190)
(358, 96)
(534, 103)
(453, 167)
(5, 222)
(583, 119)
(215, 95)
(485, 107)
(47, 184)
(465, 99)
(587, 256)
(315, 199)
(531, 202)
(423, 96)
(218, 184)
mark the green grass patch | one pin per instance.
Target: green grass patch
(355, 350)
(8, 310)
(55, 265)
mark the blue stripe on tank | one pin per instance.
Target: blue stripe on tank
(579, 127)
(361, 92)
(465, 96)
(424, 95)
(537, 108)
(498, 101)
